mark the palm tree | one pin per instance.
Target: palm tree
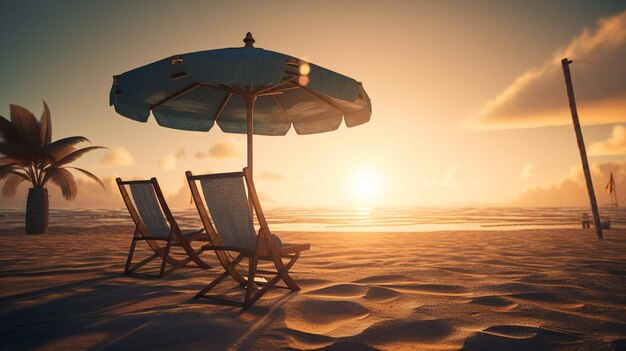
(27, 153)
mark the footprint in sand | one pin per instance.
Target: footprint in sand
(548, 300)
(389, 278)
(340, 291)
(346, 346)
(431, 289)
(495, 303)
(335, 318)
(378, 294)
(408, 335)
(518, 337)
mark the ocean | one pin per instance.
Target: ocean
(354, 219)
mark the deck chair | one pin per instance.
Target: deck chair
(147, 208)
(228, 222)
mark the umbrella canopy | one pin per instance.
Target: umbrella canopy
(244, 90)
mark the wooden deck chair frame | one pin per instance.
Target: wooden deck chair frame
(174, 239)
(265, 249)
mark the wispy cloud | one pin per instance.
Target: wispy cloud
(537, 97)
(271, 176)
(181, 155)
(118, 156)
(168, 161)
(222, 149)
(451, 178)
(571, 190)
(528, 171)
(614, 145)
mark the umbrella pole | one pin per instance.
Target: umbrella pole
(250, 99)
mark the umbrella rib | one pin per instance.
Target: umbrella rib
(223, 87)
(179, 94)
(329, 103)
(279, 91)
(222, 106)
(287, 89)
(282, 108)
(269, 89)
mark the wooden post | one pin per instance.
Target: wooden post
(581, 147)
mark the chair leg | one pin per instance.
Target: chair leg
(165, 255)
(175, 267)
(280, 274)
(254, 260)
(140, 264)
(194, 254)
(131, 252)
(284, 273)
(217, 280)
(212, 285)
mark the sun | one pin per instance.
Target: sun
(366, 185)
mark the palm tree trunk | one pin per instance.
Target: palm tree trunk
(37, 211)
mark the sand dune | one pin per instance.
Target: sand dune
(519, 290)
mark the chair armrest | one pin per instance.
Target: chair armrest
(290, 249)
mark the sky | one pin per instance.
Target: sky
(469, 104)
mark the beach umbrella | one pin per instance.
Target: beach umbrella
(244, 90)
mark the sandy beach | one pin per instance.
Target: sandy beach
(470, 290)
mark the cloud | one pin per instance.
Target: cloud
(304, 177)
(182, 198)
(537, 98)
(168, 161)
(451, 178)
(614, 145)
(200, 155)
(571, 189)
(221, 149)
(270, 176)
(224, 149)
(265, 199)
(528, 171)
(118, 156)
(181, 155)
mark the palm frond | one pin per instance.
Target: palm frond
(7, 131)
(26, 126)
(44, 160)
(60, 153)
(10, 185)
(64, 180)
(45, 126)
(15, 150)
(21, 173)
(21, 163)
(75, 155)
(7, 169)
(55, 147)
(90, 175)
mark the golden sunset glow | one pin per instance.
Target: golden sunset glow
(366, 185)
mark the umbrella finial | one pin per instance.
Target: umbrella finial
(249, 40)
